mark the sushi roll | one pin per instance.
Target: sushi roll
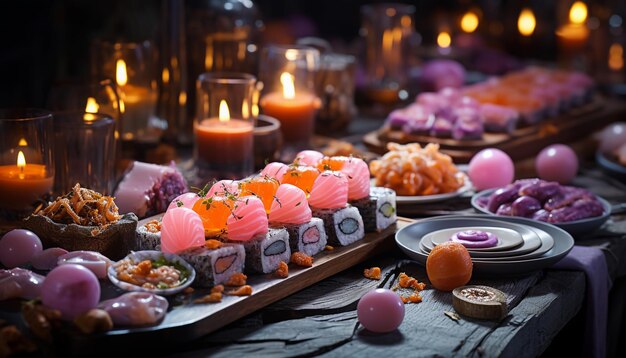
(378, 210)
(148, 236)
(264, 252)
(291, 210)
(344, 226)
(329, 201)
(215, 266)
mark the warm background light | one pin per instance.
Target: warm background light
(120, 72)
(526, 22)
(616, 57)
(469, 22)
(289, 90)
(22, 142)
(443, 39)
(578, 13)
(224, 113)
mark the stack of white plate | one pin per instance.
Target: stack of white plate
(523, 245)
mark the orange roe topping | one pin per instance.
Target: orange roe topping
(236, 279)
(214, 212)
(372, 273)
(213, 244)
(301, 259)
(301, 176)
(283, 270)
(263, 187)
(241, 291)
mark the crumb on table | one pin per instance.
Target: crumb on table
(372, 273)
(236, 279)
(245, 290)
(301, 259)
(283, 270)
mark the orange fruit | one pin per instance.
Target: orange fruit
(214, 212)
(262, 187)
(301, 176)
(449, 266)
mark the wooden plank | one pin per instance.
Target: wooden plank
(188, 321)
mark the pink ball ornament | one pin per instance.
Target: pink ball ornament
(71, 289)
(491, 168)
(612, 137)
(380, 310)
(19, 247)
(557, 162)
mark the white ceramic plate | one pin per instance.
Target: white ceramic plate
(138, 256)
(507, 238)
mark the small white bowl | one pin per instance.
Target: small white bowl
(138, 256)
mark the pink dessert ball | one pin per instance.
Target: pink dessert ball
(612, 137)
(72, 289)
(557, 162)
(18, 247)
(380, 310)
(491, 168)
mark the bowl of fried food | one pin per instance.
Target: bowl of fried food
(84, 220)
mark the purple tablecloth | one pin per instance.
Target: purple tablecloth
(591, 260)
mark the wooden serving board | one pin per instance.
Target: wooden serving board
(187, 320)
(524, 142)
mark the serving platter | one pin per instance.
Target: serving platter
(423, 199)
(186, 320)
(524, 142)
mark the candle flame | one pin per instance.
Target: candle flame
(469, 22)
(289, 90)
(91, 107)
(443, 39)
(120, 72)
(578, 13)
(21, 161)
(526, 22)
(22, 143)
(616, 57)
(224, 113)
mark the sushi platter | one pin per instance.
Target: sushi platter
(187, 320)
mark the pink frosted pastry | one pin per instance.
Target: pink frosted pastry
(148, 189)
(181, 229)
(290, 206)
(185, 200)
(94, 261)
(247, 220)
(275, 170)
(224, 187)
(330, 191)
(308, 157)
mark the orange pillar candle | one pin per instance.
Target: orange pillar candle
(295, 111)
(22, 184)
(224, 143)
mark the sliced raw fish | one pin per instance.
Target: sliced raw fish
(290, 206)
(181, 229)
(330, 191)
(20, 283)
(94, 261)
(136, 309)
(247, 220)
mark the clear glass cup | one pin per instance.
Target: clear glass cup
(289, 93)
(132, 65)
(26, 159)
(223, 128)
(386, 27)
(84, 151)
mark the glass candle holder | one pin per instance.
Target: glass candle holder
(288, 75)
(132, 67)
(386, 27)
(26, 159)
(84, 151)
(224, 126)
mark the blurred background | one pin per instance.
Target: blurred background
(44, 42)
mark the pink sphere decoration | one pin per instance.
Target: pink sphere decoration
(491, 168)
(18, 247)
(380, 311)
(557, 162)
(612, 137)
(72, 289)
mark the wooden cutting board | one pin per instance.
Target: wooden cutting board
(522, 143)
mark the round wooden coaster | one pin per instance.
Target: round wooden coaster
(482, 302)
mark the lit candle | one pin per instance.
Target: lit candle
(526, 22)
(295, 111)
(137, 105)
(22, 184)
(224, 142)
(573, 35)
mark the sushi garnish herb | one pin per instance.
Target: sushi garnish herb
(327, 167)
(203, 192)
(298, 204)
(207, 203)
(278, 201)
(179, 203)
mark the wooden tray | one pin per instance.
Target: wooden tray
(522, 143)
(187, 321)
